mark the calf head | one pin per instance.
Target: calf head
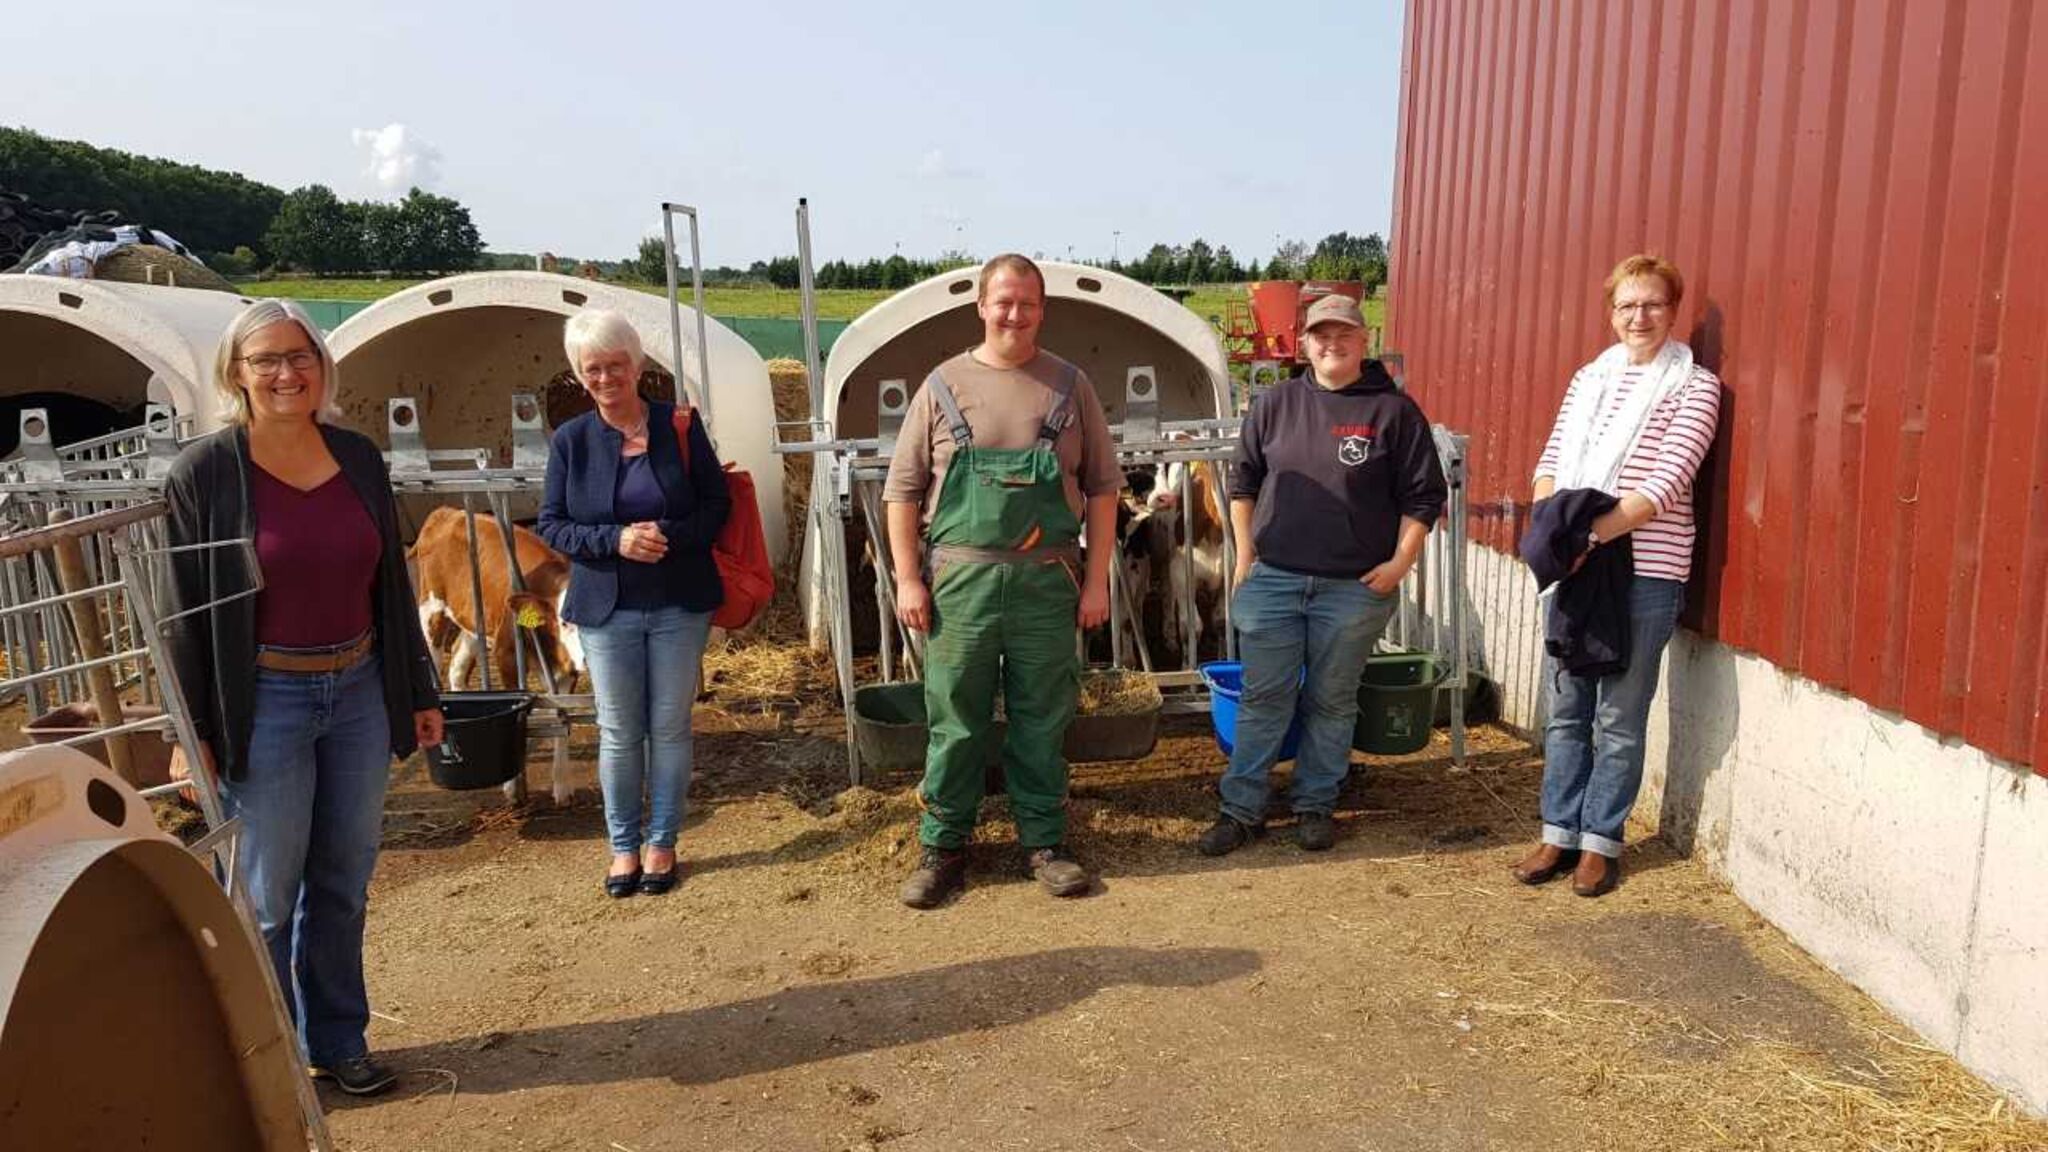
(559, 645)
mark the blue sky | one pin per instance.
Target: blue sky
(1038, 127)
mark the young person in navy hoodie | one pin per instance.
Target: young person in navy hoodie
(1333, 492)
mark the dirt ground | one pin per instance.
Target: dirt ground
(1400, 992)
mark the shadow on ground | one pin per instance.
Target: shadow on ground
(816, 1022)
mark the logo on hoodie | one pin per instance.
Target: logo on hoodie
(1352, 450)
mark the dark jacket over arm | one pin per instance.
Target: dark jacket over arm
(213, 652)
(1586, 624)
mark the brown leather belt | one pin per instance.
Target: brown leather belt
(318, 660)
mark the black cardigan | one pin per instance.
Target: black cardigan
(214, 652)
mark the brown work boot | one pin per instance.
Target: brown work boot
(1058, 872)
(1545, 864)
(940, 873)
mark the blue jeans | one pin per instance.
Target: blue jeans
(1287, 622)
(1593, 743)
(312, 811)
(643, 670)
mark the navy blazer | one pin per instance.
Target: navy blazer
(577, 516)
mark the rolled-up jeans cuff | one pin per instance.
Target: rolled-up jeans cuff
(1560, 837)
(1601, 845)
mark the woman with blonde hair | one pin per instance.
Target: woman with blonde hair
(1612, 530)
(303, 693)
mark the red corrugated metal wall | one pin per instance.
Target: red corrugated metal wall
(1857, 193)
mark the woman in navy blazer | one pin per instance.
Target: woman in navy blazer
(637, 526)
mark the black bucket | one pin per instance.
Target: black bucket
(485, 745)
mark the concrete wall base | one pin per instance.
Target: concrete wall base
(1909, 863)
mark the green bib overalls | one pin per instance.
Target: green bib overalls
(1004, 553)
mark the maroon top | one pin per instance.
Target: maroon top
(319, 553)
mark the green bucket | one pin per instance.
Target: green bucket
(1396, 703)
(889, 725)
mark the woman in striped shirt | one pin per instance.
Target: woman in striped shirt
(1635, 423)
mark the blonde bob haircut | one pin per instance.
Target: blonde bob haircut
(602, 331)
(1645, 265)
(234, 399)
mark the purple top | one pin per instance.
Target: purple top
(638, 498)
(319, 552)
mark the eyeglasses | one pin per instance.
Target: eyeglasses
(268, 364)
(1646, 307)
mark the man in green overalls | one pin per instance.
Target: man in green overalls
(1004, 454)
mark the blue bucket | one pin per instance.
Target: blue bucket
(1225, 679)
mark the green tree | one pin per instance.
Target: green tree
(206, 210)
(1224, 269)
(438, 234)
(1342, 256)
(1154, 266)
(1289, 262)
(651, 263)
(314, 231)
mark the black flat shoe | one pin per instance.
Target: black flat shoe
(659, 883)
(621, 886)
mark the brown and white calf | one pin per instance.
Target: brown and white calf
(440, 565)
(441, 574)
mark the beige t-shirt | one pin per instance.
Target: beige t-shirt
(1005, 407)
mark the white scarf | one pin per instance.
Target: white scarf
(1589, 460)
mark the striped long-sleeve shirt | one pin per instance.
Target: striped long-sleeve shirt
(1662, 466)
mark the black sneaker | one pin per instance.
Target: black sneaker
(1058, 872)
(1225, 836)
(357, 1075)
(1315, 831)
(940, 873)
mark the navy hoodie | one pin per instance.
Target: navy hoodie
(1333, 473)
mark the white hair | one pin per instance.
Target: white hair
(234, 399)
(600, 330)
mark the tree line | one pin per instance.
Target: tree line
(319, 232)
(239, 226)
(1338, 256)
(209, 212)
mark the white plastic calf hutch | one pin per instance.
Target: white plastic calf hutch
(1132, 341)
(462, 346)
(118, 344)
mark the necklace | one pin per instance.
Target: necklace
(635, 432)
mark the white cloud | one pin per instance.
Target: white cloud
(936, 165)
(399, 159)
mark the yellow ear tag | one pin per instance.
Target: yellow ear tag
(529, 616)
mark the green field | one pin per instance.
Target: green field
(781, 303)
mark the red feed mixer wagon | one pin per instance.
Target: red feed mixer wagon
(1266, 325)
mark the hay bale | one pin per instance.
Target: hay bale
(1116, 692)
(792, 390)
(149, 264)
